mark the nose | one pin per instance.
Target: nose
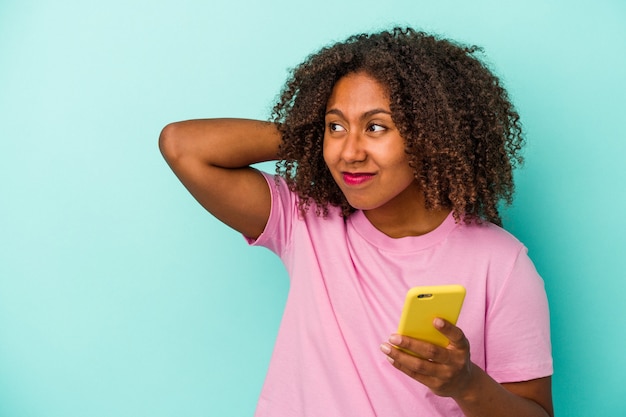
(353, 149)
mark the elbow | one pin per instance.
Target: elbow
(169, 145)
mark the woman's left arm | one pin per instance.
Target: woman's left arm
(449, 372)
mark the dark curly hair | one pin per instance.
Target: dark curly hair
(463, 135)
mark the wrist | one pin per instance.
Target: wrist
(473, 389)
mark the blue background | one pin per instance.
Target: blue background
(120, 296)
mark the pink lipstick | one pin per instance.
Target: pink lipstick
(356, 178)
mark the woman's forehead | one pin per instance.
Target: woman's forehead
(358, 90)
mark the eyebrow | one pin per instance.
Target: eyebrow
(365, 115)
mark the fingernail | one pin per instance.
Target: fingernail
(385, 349)
(395, 339)
(390, 359)
(438, 323)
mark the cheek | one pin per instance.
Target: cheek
(327, 153)
(403, 169)
(393, 157)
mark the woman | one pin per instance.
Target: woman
(394, 150)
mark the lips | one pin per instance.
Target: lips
(356, 178)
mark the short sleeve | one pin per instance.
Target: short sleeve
(517, 335)
(277, 233)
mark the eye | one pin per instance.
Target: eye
(335, 127)
(376, 128)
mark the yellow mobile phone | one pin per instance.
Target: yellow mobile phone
(423, 304)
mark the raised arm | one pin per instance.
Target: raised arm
(212, 159)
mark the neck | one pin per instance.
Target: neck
(406, 216)
(398, 226)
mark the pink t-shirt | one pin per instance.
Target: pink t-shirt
(347, 287)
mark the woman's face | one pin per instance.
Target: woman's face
(363, 148)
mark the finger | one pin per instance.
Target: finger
(419, 348)
(412, 365)
(455, 335)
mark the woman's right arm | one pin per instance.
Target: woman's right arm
(212, 159)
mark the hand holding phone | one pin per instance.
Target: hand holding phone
(423, 304)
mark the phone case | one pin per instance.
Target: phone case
(423, 304)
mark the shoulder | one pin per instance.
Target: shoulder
(287, 221)
(486, 236)
(283, 195)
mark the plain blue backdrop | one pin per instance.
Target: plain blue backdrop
(120, 296)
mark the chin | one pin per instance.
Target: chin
(360, 205)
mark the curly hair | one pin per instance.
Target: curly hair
(463, 135)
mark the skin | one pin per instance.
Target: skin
(365, 155)
(212, 159)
